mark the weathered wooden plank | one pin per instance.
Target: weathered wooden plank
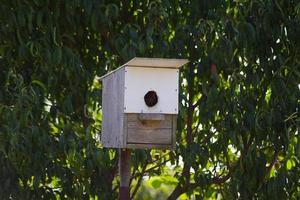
(149, 146)
(174, 128)
(125, 124)
(149, 124)
(151, 136)
(113, 107)
(135, 117)
(151, 116)
(134, 122)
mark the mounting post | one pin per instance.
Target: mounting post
(124, 170)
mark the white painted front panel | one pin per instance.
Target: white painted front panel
(140, 80)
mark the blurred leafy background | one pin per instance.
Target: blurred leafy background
(238, 126)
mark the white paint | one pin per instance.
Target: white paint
(140, 80)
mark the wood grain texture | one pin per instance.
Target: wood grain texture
(132, 117)
(134, 122)
(174, 128)
(149, 125)
(125, 128)
(151, 116)
(113, 107)
(149, 136)
(149, 132)
(149, 146)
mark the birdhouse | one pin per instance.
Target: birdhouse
(140, 104)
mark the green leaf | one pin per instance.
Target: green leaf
(57, 56)
(39, 83)
(156, 183)
(289, 164)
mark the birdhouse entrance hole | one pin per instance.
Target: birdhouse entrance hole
(151, 98)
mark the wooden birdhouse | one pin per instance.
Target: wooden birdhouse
(140, 104)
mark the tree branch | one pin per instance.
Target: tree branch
(151, 168)
(273, 162)
(189, 137)
(139, 181)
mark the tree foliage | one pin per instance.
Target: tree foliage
(239, 115)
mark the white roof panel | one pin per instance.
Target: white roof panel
(157, 62)
(153, 63)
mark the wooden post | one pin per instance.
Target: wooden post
(124, 170)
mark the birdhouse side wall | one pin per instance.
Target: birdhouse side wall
(113, 107)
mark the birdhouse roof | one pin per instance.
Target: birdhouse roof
(157, 62)
(153, 63)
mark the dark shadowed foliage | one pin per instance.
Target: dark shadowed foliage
(238, 126)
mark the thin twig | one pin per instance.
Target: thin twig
(151, 168)
(138, 184)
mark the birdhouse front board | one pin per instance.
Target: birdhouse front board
(140, 104)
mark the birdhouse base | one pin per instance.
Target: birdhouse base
(149, 131)
(146, 131)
